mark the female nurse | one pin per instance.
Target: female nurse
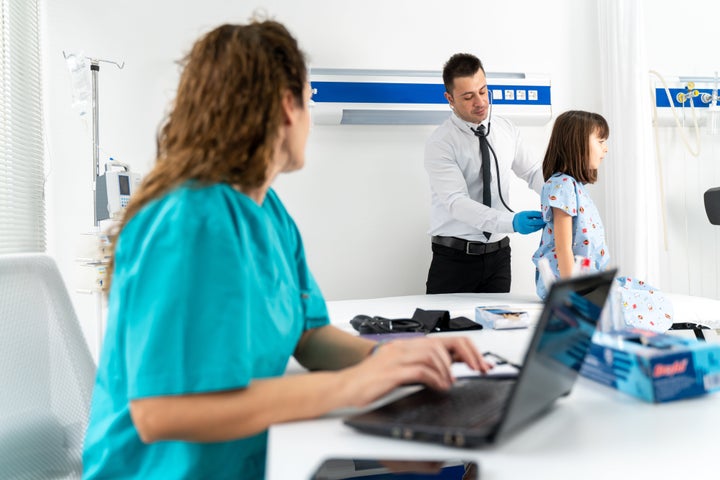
(210, 291)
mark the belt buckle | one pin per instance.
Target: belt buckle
(467, 248)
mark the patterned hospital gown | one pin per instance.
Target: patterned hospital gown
(564, 192)
(636, 303)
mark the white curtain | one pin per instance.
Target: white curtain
(630, 175)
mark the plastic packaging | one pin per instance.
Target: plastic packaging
(583, 265)
(546, 274)
(79, 67)
(611, 318)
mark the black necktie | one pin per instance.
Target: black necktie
(485, 166)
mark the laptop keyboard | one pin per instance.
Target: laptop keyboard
(469, 403)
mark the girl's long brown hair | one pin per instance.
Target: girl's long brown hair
(226, 115)
(569, 145)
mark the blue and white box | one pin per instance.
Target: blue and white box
(501, 317)
(655, 367)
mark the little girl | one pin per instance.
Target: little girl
(577, 146)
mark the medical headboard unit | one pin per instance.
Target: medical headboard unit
(680, 96)
(415, 97)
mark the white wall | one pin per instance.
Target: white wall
(362, 200)
(685, 43)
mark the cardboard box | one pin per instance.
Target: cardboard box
(655, 367)
(501, 317)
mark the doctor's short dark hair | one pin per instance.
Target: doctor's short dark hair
(460, 65)
(569, 145)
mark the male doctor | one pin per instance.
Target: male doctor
(469, 159)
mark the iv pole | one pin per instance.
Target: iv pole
(94, 71)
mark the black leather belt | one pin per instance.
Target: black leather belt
(471, 248)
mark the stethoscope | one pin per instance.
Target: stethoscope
(492, 150)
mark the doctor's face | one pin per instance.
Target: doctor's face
(469, 98)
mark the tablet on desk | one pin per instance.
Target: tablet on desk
(396, 469)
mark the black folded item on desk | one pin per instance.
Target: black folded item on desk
(424, 321)
(440, 321)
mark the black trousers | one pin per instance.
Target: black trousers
(454, 271)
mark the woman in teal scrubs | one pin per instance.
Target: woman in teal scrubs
(211, 293)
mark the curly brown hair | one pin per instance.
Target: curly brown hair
(569, 145)
(227, 113)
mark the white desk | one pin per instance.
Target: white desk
(595, 433)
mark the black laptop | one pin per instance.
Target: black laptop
(480, 409)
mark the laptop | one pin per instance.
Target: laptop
(479, 410)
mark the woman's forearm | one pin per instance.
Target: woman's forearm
(219, 416)
(329, 348)
(228, 415)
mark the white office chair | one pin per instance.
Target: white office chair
(46, 372)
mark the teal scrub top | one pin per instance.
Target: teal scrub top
(210, 291)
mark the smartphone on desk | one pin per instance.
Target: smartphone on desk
(396, 469)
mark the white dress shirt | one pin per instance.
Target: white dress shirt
(452, 161)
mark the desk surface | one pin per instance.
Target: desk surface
(595, 433)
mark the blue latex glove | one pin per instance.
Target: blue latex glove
(528, 221)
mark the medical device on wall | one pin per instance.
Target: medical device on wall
(113, 189)
(416, 97)
(687, 101)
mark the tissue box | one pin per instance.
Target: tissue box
(501, 317)
(655, 367)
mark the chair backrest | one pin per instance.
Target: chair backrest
(46, 372)
(712, 205)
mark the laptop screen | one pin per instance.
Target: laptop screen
(554, 357)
